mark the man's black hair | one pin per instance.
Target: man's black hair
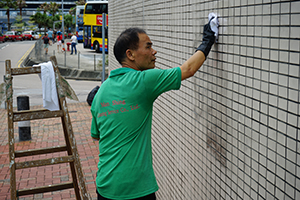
(128, 39)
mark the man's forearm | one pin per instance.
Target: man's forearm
(192, 65)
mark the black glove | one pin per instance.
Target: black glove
(208, 39)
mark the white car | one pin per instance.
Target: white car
(30, 35)
(35, 35)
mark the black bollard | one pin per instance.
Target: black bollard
(24, 126)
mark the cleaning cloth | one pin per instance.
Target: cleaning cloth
(50, 99)
(214, 24)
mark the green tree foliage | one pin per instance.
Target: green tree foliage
(68, 21)
(80, 2)
(53, 8)
(40, 19)
(19, 23)
(72, 11)
(8, 4)
(52, 19)
(44, 7)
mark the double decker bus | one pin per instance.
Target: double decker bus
(92, 25)
(79, 22)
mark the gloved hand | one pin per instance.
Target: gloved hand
(208, 39)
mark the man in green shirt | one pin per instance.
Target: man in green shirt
(122, 114)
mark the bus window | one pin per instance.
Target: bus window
(97, 32)
(96, 8)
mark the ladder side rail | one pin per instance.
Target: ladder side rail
(70, 140)
(11, 141)
(70, 151)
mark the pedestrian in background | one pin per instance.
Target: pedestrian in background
(50, 35)
(54, 36)
(46, 40)
(63, 45)
(58, 41)
(73, 44)
(122, 114)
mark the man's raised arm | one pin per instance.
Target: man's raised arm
(191, 66)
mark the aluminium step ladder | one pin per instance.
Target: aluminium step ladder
(72, 154)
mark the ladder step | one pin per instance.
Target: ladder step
(44, 162)
(33, 152)
(25, 70)
(25, 115)
(43, 189)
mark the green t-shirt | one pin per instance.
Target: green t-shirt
(122, 119)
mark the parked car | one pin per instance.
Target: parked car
(40, 33)
(13, 36)
(30, 35)
(36, 35)
(2, 38)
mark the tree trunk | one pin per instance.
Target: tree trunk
(8, 22)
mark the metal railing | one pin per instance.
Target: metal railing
(82, 60)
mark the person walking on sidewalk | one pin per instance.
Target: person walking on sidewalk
(50, 35)
(46, 40)
(122, 114)
(58, 42)
(73, 43)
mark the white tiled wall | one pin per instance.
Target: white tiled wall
(231, 131)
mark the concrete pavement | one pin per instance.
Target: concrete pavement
(47, 133)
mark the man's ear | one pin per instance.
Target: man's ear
(130, 54)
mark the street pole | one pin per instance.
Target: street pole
(103, 46)
(62, 23)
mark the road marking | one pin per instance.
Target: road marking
(4, 46)
(24, 56)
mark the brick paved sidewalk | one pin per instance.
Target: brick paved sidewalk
(48, 133)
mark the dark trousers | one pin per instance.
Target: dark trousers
(148, 197)
(73, 45)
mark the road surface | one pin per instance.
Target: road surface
(31, 85)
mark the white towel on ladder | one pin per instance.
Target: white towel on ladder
(50, 99)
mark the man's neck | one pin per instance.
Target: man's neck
(128, 65)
